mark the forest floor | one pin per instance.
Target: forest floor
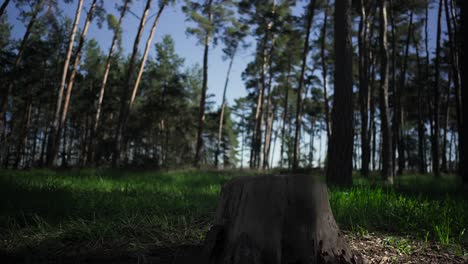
(105, 216)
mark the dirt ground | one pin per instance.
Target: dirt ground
(372, 248)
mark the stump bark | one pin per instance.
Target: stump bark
(275, 220)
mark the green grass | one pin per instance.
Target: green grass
(62, 211)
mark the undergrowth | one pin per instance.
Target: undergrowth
(106, 209)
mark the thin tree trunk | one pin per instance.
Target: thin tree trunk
(23, 137)
(364, 89)
(256, 135)
(386, 156)
(325, 72)
(446, 114)
(54, 130)
(463, 139)
(223, 106)
(136, 85)
(311, 146)
(117, 34)
(201, 114)
(124, 101)
(394, 88)
(400, 108)
(300, 98)
(454, 58)
(373, 128)
(268, 113)
(340, 158)
(275, 139)
(268, 138)
(74, 70)
(285, 114)
(435, 138)
(421, 127)
(3, 7)
(7, 89)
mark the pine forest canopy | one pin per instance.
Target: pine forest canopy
(343, 85)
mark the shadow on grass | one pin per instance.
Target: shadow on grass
(183, 254)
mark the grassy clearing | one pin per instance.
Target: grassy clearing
(102, 209)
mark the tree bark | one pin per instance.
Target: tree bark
(463, 144)
(285, 114)
(421, 128)
(221, 115)
(340, 150)
(118, 141)
(54, 130)
(400, 104)
(300, 98)
(455, 50)
(394, 88)
(435, 137)
(269, 113)
(117, 34)
(364, 89)
(325, 71)
(387, 152)
(256, 135)
(445, 124)
(7, 89)
(74, 70)
(275, 219)
(201, 114)
(3, 7)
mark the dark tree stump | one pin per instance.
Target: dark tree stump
(275, 220)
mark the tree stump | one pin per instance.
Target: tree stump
(275, 220)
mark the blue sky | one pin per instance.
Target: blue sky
(173, 23)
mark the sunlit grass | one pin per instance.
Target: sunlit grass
(130, 210)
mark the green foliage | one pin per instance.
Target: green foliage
(208, 17)
(417, 207)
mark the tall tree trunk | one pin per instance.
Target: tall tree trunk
(143, 61)
(452, 29)
(268, 137)
(373, 127)
(463, 138)
(364, 89)
(268, 113)
(400, 108)
(3, 7)
(118, 141)
(134, 90)
(115, 39)
(394, 88)
(74, 70)
(421, 126)
(340, 157)
(436, 136)
(285, 114)
(54, 130)
(256, 135)
(311, 146)
(201, 114)
(23, 135)
(275, 139)
(446, 120)
(300, 98)
(325, 71)
(386, 156)
(221, 115)
(7, 89)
